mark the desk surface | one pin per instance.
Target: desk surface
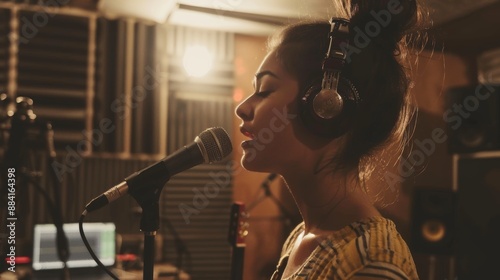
(162, 272)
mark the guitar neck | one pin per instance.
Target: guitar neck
(237, 261)
(238, 229)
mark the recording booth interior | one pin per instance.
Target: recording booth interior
(93, 91)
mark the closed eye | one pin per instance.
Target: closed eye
(263, 94)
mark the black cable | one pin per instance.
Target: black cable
(61, 238)
(39, 188)
(89, 248)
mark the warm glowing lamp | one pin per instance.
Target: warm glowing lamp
(197, 61)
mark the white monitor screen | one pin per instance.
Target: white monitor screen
(101, 237)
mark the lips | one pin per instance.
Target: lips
(247, 133)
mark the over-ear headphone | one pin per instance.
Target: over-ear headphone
(327, 106)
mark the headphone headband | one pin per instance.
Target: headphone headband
(332, 67)
(337, 48)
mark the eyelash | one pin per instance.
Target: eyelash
(263, 93)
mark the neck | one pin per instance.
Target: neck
(327, 201)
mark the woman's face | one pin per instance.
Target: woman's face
(269, 119)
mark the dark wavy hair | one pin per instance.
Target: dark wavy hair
(380, 70)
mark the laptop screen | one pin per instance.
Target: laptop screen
(101, 237)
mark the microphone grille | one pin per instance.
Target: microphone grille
(217, 144)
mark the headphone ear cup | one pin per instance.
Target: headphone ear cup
(336, 126)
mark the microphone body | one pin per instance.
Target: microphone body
(210, 146)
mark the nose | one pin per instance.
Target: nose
(245, 110)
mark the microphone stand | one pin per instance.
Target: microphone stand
(150, 223)
(181, 249)
(22, 118)
(268, 194)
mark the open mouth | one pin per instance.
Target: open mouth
(247, 143)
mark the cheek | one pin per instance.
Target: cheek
(276, 118)
(272, 148)
(275, 127)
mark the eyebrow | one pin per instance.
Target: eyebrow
(266, 72)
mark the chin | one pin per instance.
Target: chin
(254, 164)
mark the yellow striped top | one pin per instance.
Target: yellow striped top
(368, 249)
